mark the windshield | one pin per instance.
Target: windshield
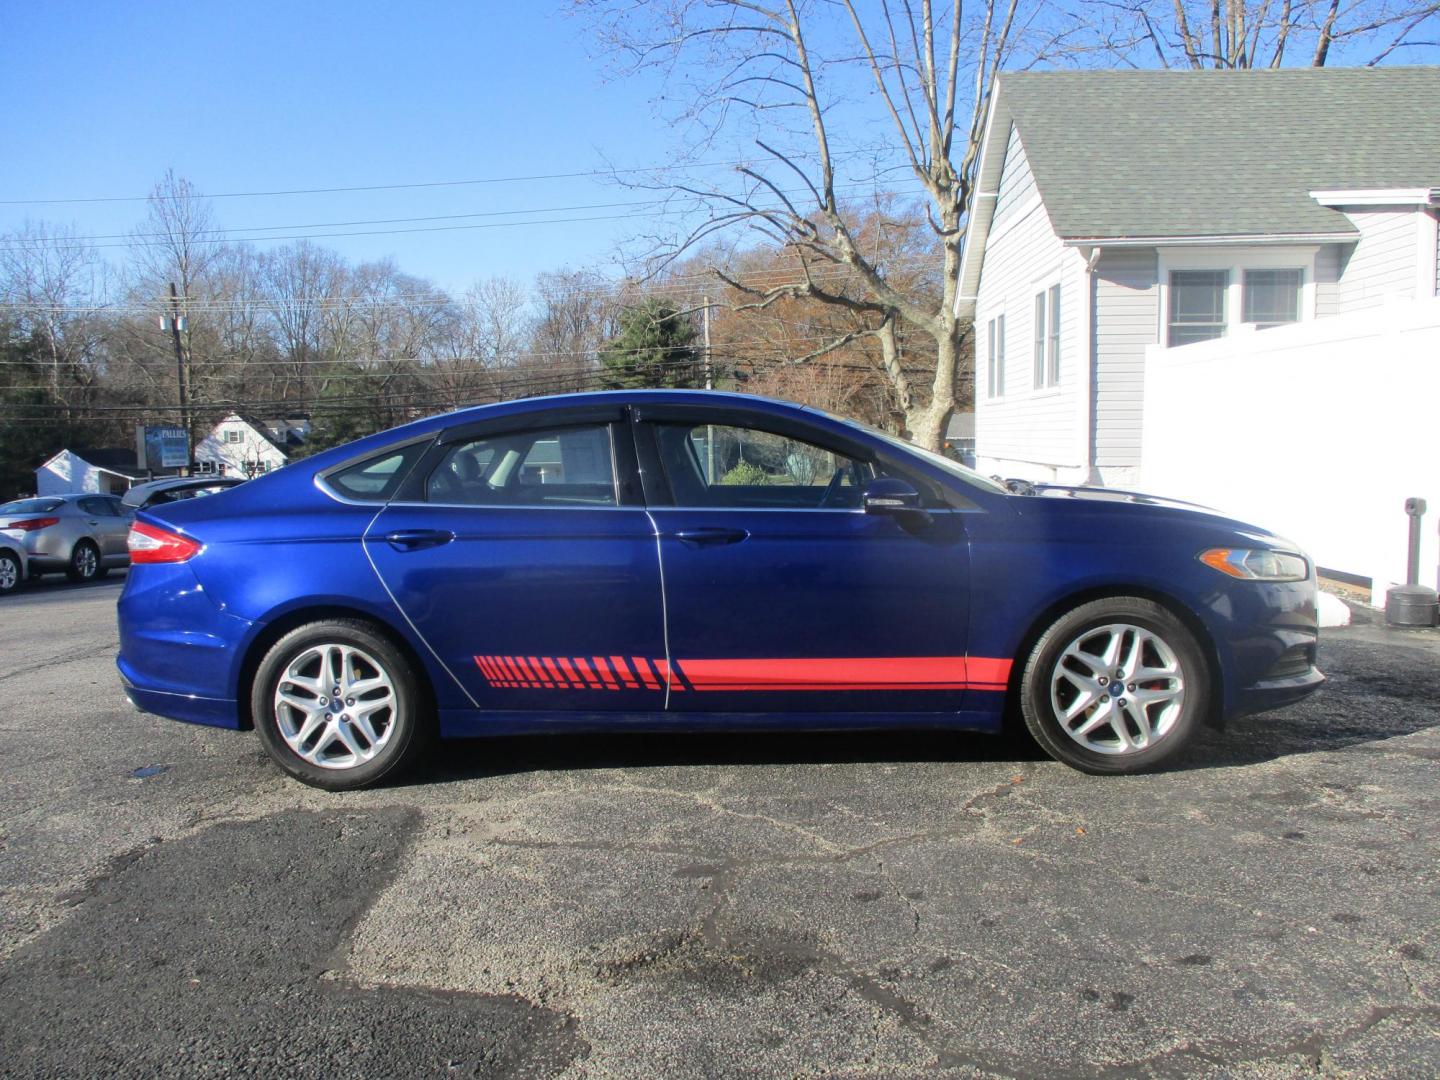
(31, 506)
(940, 461)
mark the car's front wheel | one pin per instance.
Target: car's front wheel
(1116, 685)
(10, 576)
(339, 706)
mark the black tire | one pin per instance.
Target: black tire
(1175, 719)
(10, 576)
(84, 562)
(402, 745)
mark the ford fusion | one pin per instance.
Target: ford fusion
(690, 560)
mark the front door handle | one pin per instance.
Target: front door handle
(711, 535)
(415, 539)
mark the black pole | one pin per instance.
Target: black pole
(180, 374)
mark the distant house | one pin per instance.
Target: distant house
(244, 446)
(108, 471)
(1123, 211)
(960, 438)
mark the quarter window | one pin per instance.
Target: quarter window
(1197, 305)
(569, 466)
(377, 478)
(717, 465)
(1271, 297)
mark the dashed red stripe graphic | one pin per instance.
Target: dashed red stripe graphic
(745, 675)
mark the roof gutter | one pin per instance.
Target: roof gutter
(1342, 197)
(1267, 239)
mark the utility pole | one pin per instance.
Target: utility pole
(709, 385)
(181, 365)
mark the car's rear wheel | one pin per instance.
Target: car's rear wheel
(10, 576)
(338, 705)
(84, 562)
(1116, 685)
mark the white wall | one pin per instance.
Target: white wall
(1317, 431)
(1029, 432)
(69, 474)
(239, 458)
(1382, 266)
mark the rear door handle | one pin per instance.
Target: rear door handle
(414, 539)
(711, 535)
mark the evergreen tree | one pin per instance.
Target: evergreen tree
(655, 347)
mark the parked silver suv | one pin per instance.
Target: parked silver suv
(82, 536)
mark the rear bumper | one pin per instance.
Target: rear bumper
(191, 708)
(178, 650)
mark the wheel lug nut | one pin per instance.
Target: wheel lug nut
(1120, 702)
(1131, 688)
(351, 701)
(1119, 674)
(1103, 680)
(324, 702)
(1105, 700)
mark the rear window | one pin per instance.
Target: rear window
(32, 506)
(376, 479)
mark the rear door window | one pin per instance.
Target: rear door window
(552, 467)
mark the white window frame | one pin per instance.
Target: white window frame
(232, 436)
(1045, 368)
(995, 358)
(1236, 260)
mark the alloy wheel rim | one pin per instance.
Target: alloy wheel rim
(335, 706)
(1117, 689)
(85, 561)
(9, 573)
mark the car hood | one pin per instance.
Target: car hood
(1107, 502)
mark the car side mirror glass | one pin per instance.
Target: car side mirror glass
(891, 495)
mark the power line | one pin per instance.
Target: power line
(683, 283)
(632, 171)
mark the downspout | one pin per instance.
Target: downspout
(1087, 370)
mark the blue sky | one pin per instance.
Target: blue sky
(101, 98)
(260, 95)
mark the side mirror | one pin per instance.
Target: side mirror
(891, 495)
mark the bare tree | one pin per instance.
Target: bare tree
(48, 278)
(793, 73)
(1228, 34)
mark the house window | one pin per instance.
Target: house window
(1197, 305)
(1047, 337)
(233, 435)
(996, 356)
(1271, 297)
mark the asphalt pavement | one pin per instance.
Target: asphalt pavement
(642, 906)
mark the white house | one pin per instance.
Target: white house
(239, 446)
(107, 471)
(1123, 211)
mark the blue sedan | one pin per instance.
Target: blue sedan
(683, 560)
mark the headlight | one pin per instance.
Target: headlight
(1257, 564)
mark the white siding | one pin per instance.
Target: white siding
(1017, 183)
(1127, 319)
(1028, 426)
(1382, 264)
(1436, 214)
(1327, 280)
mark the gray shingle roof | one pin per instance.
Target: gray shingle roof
(1234, 153)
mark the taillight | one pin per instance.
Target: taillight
(152, 544)
(31, 524)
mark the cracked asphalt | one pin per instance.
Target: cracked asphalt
(835, 905)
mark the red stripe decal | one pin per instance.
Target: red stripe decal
(672, 678)
(486, 670)
(590, 678)
(623, 669)
(539, 670)
(849, 673)
(554, 672)
(575, 680)
(605, 673)
(507, 663)
(643, 667)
